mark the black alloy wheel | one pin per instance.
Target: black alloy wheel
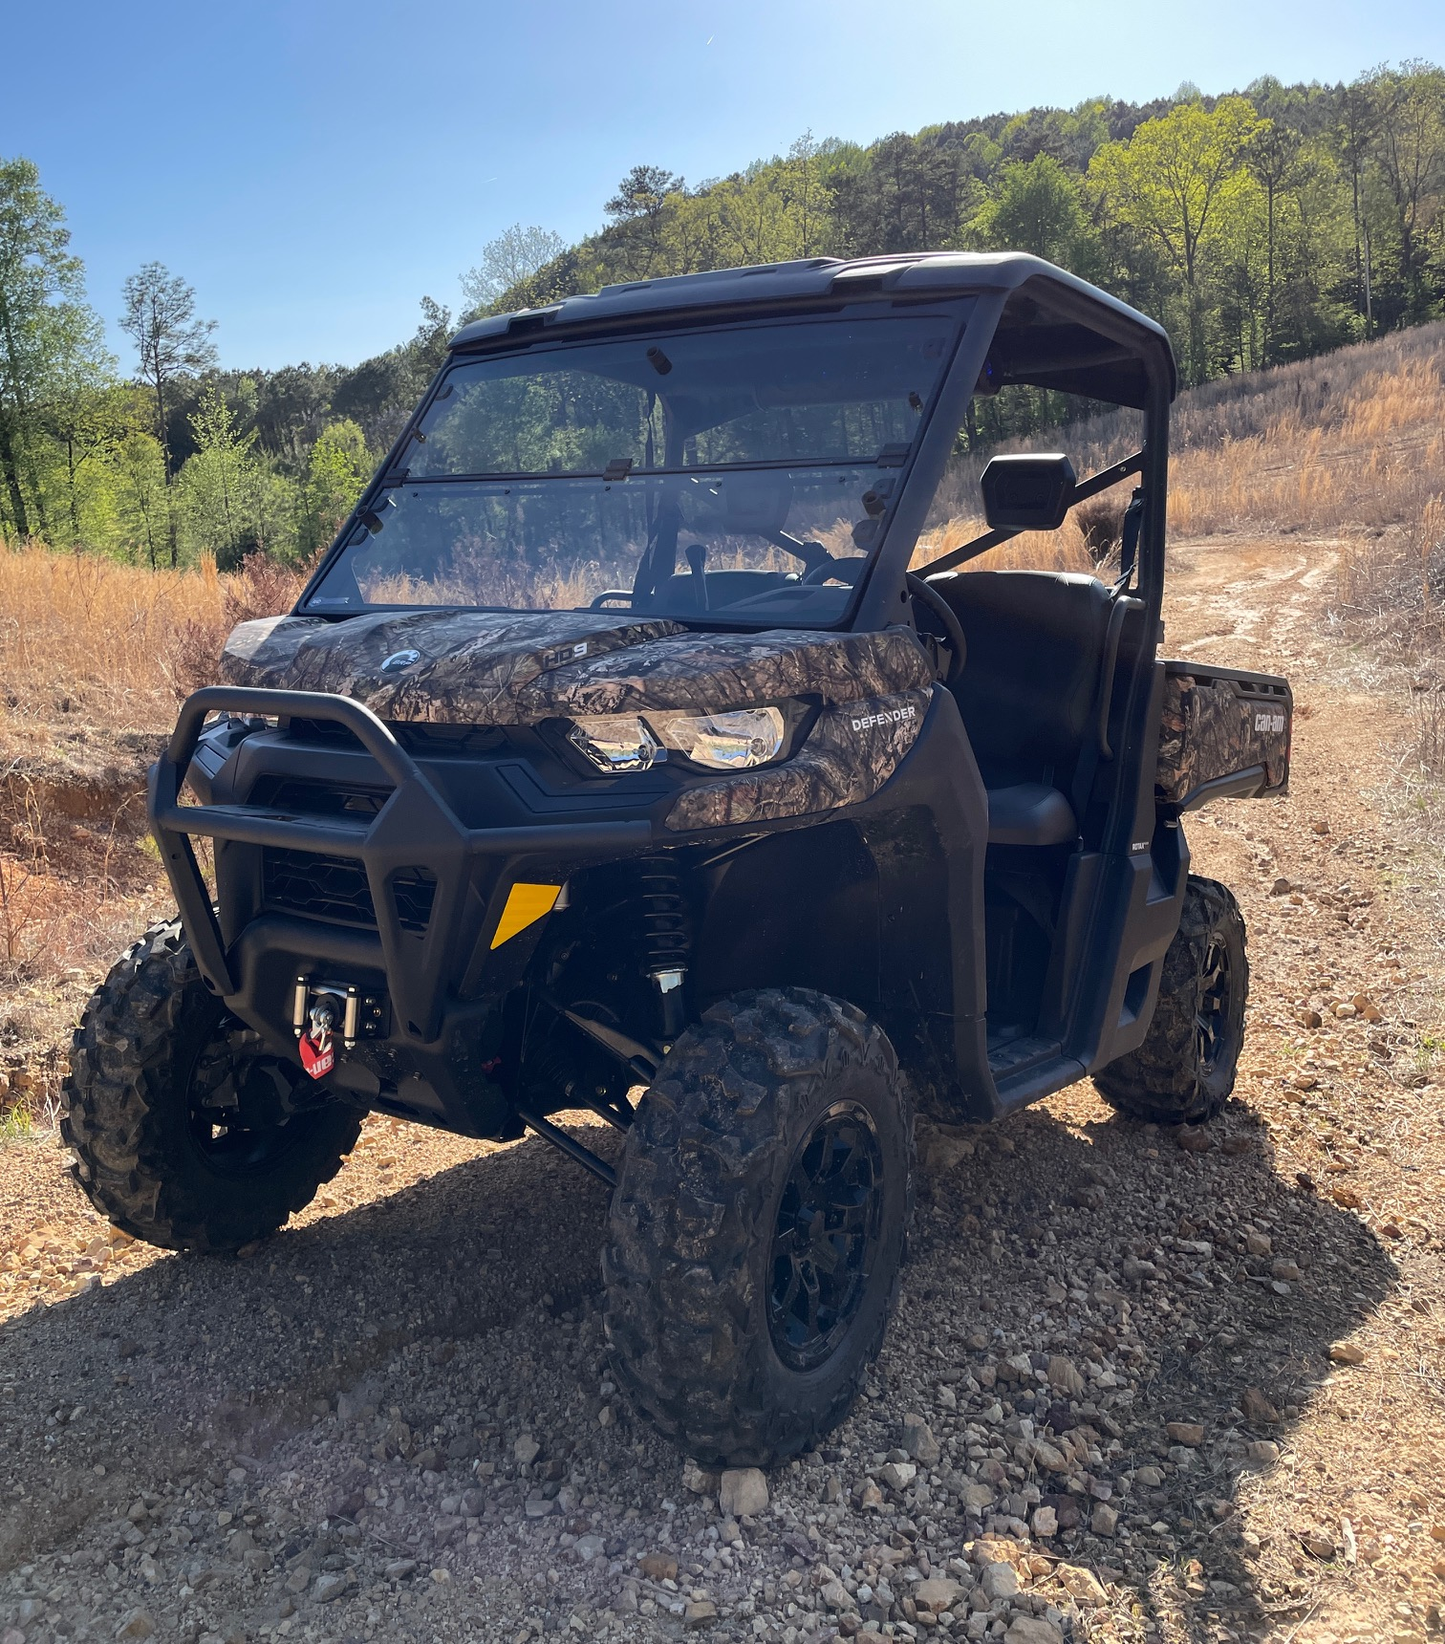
(1211, 1015)
(758, 1225)
(827, 1236)
(241, 1101)
(1183, 1071)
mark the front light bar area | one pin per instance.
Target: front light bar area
(738, 740)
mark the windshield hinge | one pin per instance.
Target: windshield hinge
(618, 468)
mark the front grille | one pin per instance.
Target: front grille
(297, 794)
(335, 888)
(414, 892)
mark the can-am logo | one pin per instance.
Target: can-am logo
(1269, 722)
(892, 716)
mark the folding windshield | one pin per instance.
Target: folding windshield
(745, 470)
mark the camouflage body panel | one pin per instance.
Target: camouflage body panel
(489, 668)
(1215, 726)
(470, 665)
(850, 753)
(711, 671)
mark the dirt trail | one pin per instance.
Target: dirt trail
(393, 1421)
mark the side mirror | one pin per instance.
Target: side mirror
(1027, 492)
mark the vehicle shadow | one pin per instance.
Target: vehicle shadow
(197, 1357)
(1108, 1240)
(1083, 1241)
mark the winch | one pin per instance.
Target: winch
(319, 1010)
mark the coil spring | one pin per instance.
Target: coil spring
(666, 928)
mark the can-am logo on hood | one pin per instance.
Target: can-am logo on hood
(399, 660)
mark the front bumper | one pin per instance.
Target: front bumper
(438, 1015)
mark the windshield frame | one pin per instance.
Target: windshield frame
(960, 308)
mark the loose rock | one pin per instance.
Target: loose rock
(743, 1491)
(919, 1442)
(1032, 1629)
(1255, 1407)
(1082, 1585)
(937, 1594)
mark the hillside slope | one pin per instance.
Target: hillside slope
(330, 1433)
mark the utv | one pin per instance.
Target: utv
(614, 758)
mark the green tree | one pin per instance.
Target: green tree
(1410, 151)
(142, 495)
(217, 481)
(172, 344)
(338, 470)
(1037, 207)
(47, 333)
(88, 418)
(1356, 125)
(1176, 182)
(636, 210)
(234, 502)
(516, 254)
(911, 194)
(1272, 154)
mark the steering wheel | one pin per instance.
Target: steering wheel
(939, 607)
(836, 568)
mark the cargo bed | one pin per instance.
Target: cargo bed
(1225, 734)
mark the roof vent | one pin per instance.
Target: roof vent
(531, 320)
(867, 277)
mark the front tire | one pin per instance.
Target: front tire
(1184, 1070)
(758, 1226)
(187, 1134)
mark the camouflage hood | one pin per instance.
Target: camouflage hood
(497, 668)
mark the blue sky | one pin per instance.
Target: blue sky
(314, 168)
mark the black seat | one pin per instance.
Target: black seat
(1030, 813)
(1029, 696)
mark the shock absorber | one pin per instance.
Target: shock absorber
(666, 934)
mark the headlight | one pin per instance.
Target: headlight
(616, 742)
(735, 741)
(723, 742)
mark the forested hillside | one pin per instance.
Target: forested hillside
(1261, 227)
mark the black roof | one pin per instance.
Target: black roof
(1066, 318)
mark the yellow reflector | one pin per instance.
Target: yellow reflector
(526, 904)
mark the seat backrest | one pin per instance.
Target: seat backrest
(1028, 693)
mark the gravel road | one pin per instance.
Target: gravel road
(1143, 1384)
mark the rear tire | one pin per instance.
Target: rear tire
(1184, 1070)
(758, 1226)
(152, 1050)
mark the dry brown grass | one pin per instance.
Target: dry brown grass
(1062, 550)
(1349, 444)
(84, 636)
(93, 657)
(1376, 463)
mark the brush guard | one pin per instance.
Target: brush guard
(415, 827)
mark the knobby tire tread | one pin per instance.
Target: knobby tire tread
(121, 1113)
(1160, 1082)
(686, 1325)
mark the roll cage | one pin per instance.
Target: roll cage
(1031, 324)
